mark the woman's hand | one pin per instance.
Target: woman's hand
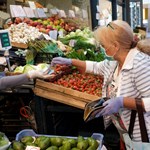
(111, 106)
(61, 60)
(38, 74)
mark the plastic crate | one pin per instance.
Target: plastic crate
(30, 132)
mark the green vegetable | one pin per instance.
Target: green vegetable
(3, 140)
(45, 143)
(86, 55)
(52, 148)
(18, 145)
(26, 139)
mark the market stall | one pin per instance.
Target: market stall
(36, 40)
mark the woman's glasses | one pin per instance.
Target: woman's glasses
(109, 25)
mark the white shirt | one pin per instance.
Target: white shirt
(134, 81)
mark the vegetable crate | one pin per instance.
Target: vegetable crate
(62, 94)
(29, 132)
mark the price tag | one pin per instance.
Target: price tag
(32, 148)
(17, 11)
(29, 12)
(41, 13)
(61, 33)
(32, 5)
(62, 13)
(53, 11)
(45, 10)
(47, 37)
(53, 34)
(71, 14)
(35, 13)
(72, 43)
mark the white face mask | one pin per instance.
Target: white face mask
(112, 55)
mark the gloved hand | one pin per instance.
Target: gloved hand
(111, 106)
(33, 74)
(61, 60)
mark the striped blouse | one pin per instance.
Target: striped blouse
(134, 81)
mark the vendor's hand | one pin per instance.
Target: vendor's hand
(38, 74)
(61, 60)
(111, 106)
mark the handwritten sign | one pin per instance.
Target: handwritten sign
(41, 13)
(29, 12)
(17, 11)
(32, 5)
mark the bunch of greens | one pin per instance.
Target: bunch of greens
(87, 54)
(82, 39)
(42, 48)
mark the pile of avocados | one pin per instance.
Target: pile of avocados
(55, 143)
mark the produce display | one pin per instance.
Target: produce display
(83, 45)
(47, 49)
(70, 77)
(55, 143)
(27, 68)
(47, 24)
(22, 33)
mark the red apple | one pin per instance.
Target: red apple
(49, 27)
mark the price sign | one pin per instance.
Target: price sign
(17, 11)
(29, 12)
(71, 14)
(41, 13)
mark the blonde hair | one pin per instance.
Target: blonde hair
(144, 46)
(117, 30)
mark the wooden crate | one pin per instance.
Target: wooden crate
(19, 45)
(62, 94)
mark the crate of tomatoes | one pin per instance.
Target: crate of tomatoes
(69, 86)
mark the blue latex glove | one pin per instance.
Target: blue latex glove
(61, 60)
(111, 106)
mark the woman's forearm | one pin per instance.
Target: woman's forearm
(130, 103)
(81, 65)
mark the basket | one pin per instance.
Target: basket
(30, 132)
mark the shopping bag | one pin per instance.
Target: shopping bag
(131, 145)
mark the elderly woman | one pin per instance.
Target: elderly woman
(126, 78)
